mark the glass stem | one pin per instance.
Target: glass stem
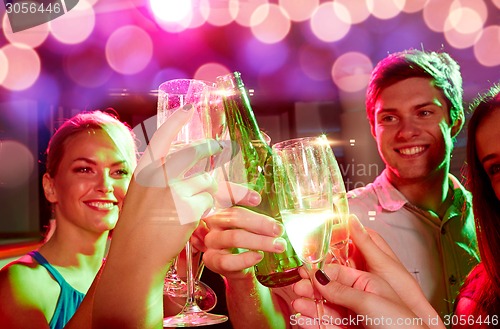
(318, 298)
(173, 269)
(191, 305)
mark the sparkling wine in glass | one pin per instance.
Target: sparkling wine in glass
(303, 184)
(173, 95)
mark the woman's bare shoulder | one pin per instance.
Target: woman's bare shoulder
(21, 276)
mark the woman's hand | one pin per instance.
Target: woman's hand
(373, 302)
(381, 286)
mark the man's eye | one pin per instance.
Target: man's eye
(388, 118)
(424, 113)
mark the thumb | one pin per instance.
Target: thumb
(230, 194)
(162, 139)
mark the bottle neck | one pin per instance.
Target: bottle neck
(240, 117)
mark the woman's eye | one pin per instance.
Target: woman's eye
(83, 170)
(122, 172)
(494, 169)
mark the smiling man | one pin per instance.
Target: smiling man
(414, 105)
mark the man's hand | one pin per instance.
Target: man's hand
(237, 236)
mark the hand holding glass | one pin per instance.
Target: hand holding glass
(205, 123)
(303, 186)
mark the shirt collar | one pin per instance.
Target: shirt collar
(389, 197)
(392, 200)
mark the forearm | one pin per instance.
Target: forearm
(129, 295)
(252, 305)
(413, 296)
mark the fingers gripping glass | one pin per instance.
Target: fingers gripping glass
(304, 186)
(206, 123)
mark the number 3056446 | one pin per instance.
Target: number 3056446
(32, 8)
(464, 319)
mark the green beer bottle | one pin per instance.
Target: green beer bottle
(253, 167)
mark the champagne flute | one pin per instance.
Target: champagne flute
(339, 243)
(303, 185)
(172, 95)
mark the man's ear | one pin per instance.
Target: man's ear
(457, 125)
(49, 188)
(372, 129)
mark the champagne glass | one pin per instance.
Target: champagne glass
(339, 243)
(172, 95)
(303, 186)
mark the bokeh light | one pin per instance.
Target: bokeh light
(299, 10)
(496, 3)
(246, 10)
(107, 21)
(171, 10)
(16, 164)
(385, 9)
(180, 26)
(435, 14)
(487, 47)
(221, 14)
(177, 16)
(75, 26)
(464, 20)
(129, 50)
(351, 71)
(197, 18)
(270, 24)
(4, 66)
(413, 6)
(23, 67)
(479, 6)
(462, 27)
(358, 11)
(330, 22)
(32, 37)
(210, 71)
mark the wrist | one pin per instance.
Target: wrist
(242, 280)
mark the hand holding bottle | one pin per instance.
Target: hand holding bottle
(253, 167)
(243, 229)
